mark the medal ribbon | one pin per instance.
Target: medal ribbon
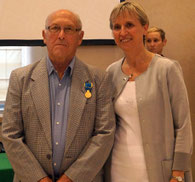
(88, 86)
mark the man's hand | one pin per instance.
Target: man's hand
(64, 178)
(45, 179)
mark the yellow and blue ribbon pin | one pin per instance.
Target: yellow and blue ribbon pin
(88, 87)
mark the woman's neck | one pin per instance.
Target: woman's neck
(137, 62)
(138, 56)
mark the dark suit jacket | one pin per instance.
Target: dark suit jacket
(26, 126)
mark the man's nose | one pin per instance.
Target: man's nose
(61, 34)
(152, 43)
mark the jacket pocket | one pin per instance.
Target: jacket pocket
(167, 169)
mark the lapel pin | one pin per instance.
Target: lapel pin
(88, 87)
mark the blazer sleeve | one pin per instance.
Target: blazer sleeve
(96, 151)
(181, 117)
(24, 163)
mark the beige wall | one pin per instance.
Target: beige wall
(99, 56)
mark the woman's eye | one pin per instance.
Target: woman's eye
(128, 25)
(117, 27)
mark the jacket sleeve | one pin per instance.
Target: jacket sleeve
(24, 163)
(181, 117)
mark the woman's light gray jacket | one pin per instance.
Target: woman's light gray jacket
(164, 116)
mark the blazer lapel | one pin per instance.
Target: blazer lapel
(76, 108)
(40, 95)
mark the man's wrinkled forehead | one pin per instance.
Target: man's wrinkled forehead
(60, 14)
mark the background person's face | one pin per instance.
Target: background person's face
(154, 42)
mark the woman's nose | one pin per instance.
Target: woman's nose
(123, 30)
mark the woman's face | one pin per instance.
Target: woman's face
(128, 31)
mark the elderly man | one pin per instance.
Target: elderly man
(155, 40)
(59, 122)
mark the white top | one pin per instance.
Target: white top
(128, 162)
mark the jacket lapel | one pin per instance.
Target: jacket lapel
(119, 78)
(77, 101)
(40, 95)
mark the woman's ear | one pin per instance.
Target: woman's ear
(145, 28)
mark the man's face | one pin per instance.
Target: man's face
(154, 42)
(62, 43)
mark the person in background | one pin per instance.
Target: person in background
(155, 40)
(59, 123)
(153, 140)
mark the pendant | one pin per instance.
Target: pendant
(88, 94)
(131, 76)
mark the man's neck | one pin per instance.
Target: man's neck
(60, 66)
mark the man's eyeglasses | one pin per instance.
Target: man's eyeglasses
(67, 30)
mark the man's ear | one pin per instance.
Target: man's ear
(164, 42)
(81, 35)
(44, 36)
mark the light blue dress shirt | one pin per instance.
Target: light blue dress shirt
(59, 107)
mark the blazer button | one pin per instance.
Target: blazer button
(48, 156)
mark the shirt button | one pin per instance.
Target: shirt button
(124, 79)
(58, 103)
(54, 164)
(59, 84)
(56, 143)
(57, 122)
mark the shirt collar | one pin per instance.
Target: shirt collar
(50, 67)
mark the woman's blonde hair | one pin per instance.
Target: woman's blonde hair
(133, 9)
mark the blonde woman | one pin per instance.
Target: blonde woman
(153, 140)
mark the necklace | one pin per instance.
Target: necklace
(131, 76)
